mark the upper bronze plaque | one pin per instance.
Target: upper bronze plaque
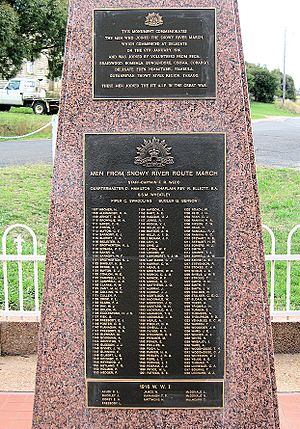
(154, 53)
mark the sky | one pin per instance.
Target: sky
(263, 23)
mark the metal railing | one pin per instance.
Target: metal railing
(35, 258)
(19, 258)
(289, 257)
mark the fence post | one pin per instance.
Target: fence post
(289, 267)
(273, 255)
(54, 135)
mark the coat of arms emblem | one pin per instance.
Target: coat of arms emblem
(154, 153)
(154, 20)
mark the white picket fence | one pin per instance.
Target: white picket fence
(19, 258)
(288, 258)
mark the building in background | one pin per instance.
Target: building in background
(38, 70)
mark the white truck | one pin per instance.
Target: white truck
(26, 92)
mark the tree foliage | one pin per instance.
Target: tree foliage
(28, 28)
(11, 51)
(265, 85)
(290, 85)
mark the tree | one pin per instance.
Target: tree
(290, 85)
(35, 26)
(11, 51)
(262, 83)
(290, 88)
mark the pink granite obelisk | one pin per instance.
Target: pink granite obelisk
(250, 389)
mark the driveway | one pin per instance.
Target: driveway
(277, 144)
(19, 152)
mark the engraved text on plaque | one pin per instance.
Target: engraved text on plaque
(154, 270)
(155, 53)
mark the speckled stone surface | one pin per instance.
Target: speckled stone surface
(286, 337)
(18, 338)
(250, 400)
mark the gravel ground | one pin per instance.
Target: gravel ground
(17, 373)
(288, 373)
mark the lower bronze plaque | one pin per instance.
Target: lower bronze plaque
(154, 270)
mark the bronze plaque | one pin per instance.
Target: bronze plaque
(154, 270)
(154, 53)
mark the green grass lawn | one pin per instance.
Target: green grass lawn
(25, 198)
(20, 121)
(263, 110)
(279, 191)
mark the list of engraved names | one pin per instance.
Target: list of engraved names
(155, 270)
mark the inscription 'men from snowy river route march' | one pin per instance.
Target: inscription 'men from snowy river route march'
(155, 53)
(154, 270)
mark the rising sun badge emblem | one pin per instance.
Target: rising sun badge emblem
(154, 20)
(154, 153)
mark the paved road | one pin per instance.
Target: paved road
(277, 144)
(19, 152)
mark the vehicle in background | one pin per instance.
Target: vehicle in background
(26, 92)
